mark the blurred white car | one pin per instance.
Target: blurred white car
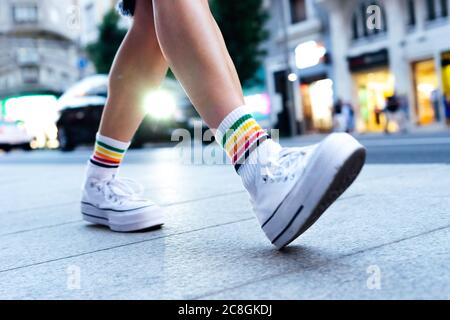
(14, 135)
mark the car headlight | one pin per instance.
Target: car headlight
(160, 105)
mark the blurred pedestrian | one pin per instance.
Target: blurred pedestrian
(435, 101)
(447, 107)
(289, 187)
(338, 117)
(343, 117)
(394, 113)
(349, 115)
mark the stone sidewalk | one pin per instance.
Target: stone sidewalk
(387, 238)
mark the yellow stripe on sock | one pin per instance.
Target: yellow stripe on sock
(113, 154)
(232, 140)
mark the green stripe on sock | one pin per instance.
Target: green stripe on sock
(104, 145)
(235, 126)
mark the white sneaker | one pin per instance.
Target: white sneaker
(293, 188)
(115, 203)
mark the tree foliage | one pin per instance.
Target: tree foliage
(242, 23)
(243, 26)
(103, 51)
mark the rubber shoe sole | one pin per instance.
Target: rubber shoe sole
(124, 221)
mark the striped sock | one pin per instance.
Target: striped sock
(108, 153)
(240, 135)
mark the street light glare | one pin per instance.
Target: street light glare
(292, 77)
(160, 105)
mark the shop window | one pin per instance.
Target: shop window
(25, 13)
(367, 24)
(411, 13)
(298, 10)
(444, 8)
(372, 87)
(426, 90)
(446, 84)
(30, 75)
(436, 9)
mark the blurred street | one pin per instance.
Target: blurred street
(386, 238)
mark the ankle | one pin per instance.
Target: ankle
(249, 169)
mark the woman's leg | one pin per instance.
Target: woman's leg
(231, 67)
(138, 67)
(289, 191)
(190, 41)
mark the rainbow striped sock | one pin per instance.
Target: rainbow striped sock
(240, 135)
(108, 152)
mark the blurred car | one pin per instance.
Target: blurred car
(81, 108)
(14, 135)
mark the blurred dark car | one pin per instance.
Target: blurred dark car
(82, 105)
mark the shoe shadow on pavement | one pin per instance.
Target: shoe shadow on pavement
(105, 228)
(297, 256)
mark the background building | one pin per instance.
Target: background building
(41, 55)
(38, 51)
(406, 55)
(334, 48)
(41, 43)
(299, 76)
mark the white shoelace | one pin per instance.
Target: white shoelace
(118, 189)
(281, 168)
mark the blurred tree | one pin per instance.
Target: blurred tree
(243, 27)
(242, 24)
(103, 51)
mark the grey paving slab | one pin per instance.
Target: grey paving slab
(212, 245)
(46, 185)
(414, 268)
(57, 224)
(220, 256)
(223, 262)
(45, 244)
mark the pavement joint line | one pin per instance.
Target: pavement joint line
(231, 193)
(318, 265)
(125, 245)
(167, 206)
(80, 220)
(40, 228)
(43, 207)
(217, 226)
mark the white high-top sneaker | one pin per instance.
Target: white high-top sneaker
(116, 203)
(294, 186)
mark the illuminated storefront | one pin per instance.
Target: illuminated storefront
(427, 95)
(317, 101)
(316, 89)
(373, 83)
(445, 63)
(372, 89)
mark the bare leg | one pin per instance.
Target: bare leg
(139, 66)
(230, 63)
(189, 40)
